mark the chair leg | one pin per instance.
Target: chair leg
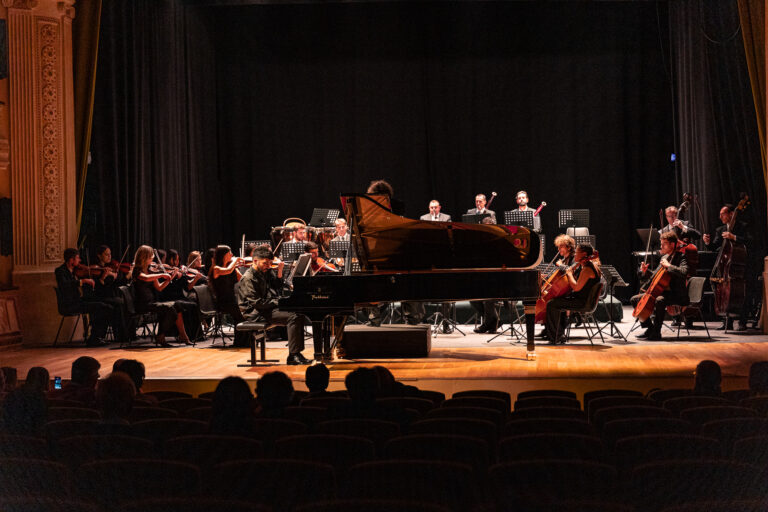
(599, 331)
(72, 334)
(709, 336)
(56, 339)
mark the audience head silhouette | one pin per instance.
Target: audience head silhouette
(114, 397)
(317, 377)
(85, 371)
(134, 369)
(362, 385)
(758, 378)
(708, 378)
(274, 391)
(232, 408)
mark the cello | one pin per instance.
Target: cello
(727, 276)
(556, 285)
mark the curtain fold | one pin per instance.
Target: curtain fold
(752, 16)
(85, 46)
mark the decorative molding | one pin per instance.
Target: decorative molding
(20, 4)
(67, 7)
(51, 142)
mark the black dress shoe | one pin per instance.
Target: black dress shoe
(446, 328)
(675, 322)
(543, 335)
(295, 359)
(742, 327)
(655, 337)
(645, 335)
(481, 329)
(725, 326)
(95, 342)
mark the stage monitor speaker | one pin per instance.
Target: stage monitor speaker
(387, 341)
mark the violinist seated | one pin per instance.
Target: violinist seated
(566, 248)
(109, 275)
(318, 264)
(682, 228)
(676, 294)
(195, 262)
(222, 277)
(183, 281)
(583, 278)
(71, 278)
(257, 297)
(147, 284)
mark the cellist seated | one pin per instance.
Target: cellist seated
(675, 293)
(566, 246)
(583, 280)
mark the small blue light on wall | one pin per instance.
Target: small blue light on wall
(672, 157)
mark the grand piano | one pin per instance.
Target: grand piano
(404, 259)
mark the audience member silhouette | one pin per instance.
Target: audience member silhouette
(707, 379)
(274, 391)
(363, 389)
(317, 378)
(136, 371)
(25, 410)
(758, 378)
(9, 378)
(232, 408)
(82, 386)
(389, 387)
(114, 398)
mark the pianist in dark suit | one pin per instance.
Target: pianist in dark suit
(682, 228)
(480, 208)
(257, 297)
(435, 214)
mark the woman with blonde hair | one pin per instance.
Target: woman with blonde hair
(147, 284)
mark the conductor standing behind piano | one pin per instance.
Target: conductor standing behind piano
(480, 208)
(435, 214)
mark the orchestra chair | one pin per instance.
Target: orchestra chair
(210, 314)
(64, 315)
(134, 320)
(695, 296)
(588, 316)
(258, 334)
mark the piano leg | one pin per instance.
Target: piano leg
(530, 328)
(320, 337)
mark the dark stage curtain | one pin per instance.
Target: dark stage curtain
(153, 176)
(211, 122)
(719, 148)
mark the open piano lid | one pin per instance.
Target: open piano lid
(385, 241)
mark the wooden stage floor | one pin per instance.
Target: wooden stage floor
(456, 362)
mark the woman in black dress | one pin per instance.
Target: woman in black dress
(222, 278)
(147, 286)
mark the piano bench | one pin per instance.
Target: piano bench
(258, 334)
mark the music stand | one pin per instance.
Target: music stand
(257, 243)
(474, 218)
(324, 217)
(291, 250)
(519, 218)
(613, 278)
(573, 218)
(338, 249)
(654, 234)
(586, 239)
(543, 245)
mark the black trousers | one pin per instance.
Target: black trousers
(487, 311)
(293, 322)
(100, 314)
(660, 309)
(556, 317)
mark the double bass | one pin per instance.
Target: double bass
(727, 276)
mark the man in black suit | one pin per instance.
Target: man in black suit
(72, 303)
(480, 208)
(682, 228)
(739, 234)
(674, 263)
(435, 214)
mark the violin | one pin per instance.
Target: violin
(321, 265)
